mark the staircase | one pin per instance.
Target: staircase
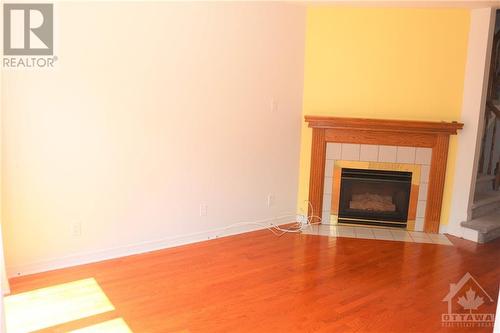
(485, 217)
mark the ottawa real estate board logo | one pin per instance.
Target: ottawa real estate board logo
(469, 305)
(28, 35)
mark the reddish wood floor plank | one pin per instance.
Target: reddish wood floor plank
(257, 282)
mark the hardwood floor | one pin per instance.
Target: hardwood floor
(258, 282)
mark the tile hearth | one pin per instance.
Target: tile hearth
(417, 157)
(377, 233)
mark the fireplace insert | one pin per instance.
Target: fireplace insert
(374, 197)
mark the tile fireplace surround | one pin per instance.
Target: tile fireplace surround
(421, 144)
(416, 159)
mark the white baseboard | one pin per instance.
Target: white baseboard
(465, 233)
(160, 244)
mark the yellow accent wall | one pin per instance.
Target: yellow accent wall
(394, 63)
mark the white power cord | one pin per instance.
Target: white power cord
(297, 227)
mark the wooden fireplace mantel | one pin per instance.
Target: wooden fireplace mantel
(426, 134)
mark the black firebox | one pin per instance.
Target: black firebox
(374, 197)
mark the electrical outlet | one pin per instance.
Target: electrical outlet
(270, 200)
(76, 229)
(301, 218)
(203, 210)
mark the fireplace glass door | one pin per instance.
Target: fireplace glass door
(374, 197)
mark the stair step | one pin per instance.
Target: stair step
(484, 183)
(485, 203)
(487, 226)
(481, 177)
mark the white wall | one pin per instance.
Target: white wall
(153, 109)
(496, 326)
(4, 283)
(469, 139)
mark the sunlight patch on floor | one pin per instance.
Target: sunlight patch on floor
(47, 307)
(117, 325)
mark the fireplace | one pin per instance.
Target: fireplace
(383, 132)
(374, 197)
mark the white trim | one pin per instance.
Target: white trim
(462, 232)
(138, 248)
(473, 104)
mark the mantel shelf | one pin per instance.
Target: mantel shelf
(408, 126)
